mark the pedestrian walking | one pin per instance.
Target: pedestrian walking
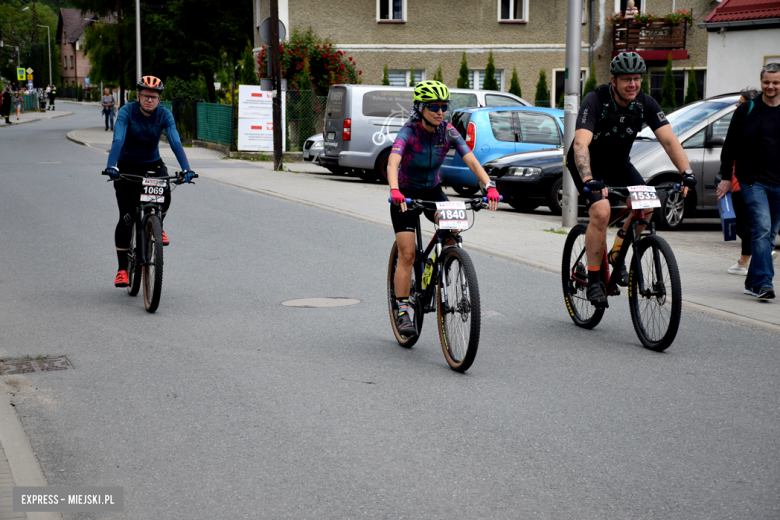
(752, 149)
(7, 105)
(17, 101)
(108, 108)
(52, 96)
(740, 209)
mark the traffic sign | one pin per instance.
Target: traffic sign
(29, 76)
(265, 31)
(20, 74)
(29, 70)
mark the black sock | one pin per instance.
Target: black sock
(594, 277)
(122, 257)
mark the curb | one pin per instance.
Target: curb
(25, 468)
(75, 140)
(691, 306)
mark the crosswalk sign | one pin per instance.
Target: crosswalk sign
(21, 74)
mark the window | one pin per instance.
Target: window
(502, 126)
(402, 78)
(477, 77)
(559, 86)
(391, 11)
(680, 84)
(463, 101)
(64, 62)
(696, 140)
(71, 62)
(460, 120)
(538, 129)
(492, 100)
(512, 11)
(381, 103)
(721, 127)
(335, 105)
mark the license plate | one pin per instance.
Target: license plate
(331, 136)
(644, 197)
(152, 190)
(452, 215)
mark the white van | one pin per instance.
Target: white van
(361, 122)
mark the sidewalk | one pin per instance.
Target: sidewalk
(32, 116)
(702, 256)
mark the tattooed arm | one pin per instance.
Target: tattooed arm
(582, 139)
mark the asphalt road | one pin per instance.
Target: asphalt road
(226, 404)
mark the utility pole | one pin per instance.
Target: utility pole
(571, 105)
(36, 45)
(138, 71)
(120, 47)
(277, 72)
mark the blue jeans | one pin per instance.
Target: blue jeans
(763, 203)
(109, 116)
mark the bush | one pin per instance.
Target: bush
(183, 89)
(591, 83)
(463, 78)
(668, 90)
(514, 85)
(438, 75)
(692, 93)
(385, 77)
(490, 83)
(542, 98)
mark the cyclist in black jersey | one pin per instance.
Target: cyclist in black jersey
(608, 121)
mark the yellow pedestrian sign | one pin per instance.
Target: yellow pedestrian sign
(20, 74)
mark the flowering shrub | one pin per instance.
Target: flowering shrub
(647, 18)
(679, 16)
(307, 63)
(616, 19)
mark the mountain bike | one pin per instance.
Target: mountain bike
(654, 288)
(449, 274)
(145, 251)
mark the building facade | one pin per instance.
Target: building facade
(526, 35)
(70, 37)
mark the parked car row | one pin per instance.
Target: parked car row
(520, 146)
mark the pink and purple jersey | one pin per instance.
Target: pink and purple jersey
(423, 152)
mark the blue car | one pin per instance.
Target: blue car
(494, 132)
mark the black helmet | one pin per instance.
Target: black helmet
(627, 63)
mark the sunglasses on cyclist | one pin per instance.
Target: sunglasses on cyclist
(436, 108)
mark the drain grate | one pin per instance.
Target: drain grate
(26, 366)
(316, 303)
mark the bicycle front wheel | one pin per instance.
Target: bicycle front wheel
(133, 267)
(574, 275)
(656, 310)
(458, 309)
(415, 302)
(153, 270)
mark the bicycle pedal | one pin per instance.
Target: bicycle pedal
(615, 291)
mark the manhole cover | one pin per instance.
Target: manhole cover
(314, 303)
(25, 366)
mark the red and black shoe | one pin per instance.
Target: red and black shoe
(121, 280)
(165, 239)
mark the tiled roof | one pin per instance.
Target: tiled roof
(744, 10)
(74, 21)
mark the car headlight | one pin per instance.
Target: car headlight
(525, 172)
(318, 144)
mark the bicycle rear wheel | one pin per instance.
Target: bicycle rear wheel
(574, 276)
(153, 270)
(415, 303)
(458, 309)
(655, 312)
(133, 267)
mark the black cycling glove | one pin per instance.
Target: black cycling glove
(689, 181)
(593, 189)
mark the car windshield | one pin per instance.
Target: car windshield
(687, 117)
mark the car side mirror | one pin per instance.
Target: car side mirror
(715, 141)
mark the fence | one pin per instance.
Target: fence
(214, 122)
(305, 116)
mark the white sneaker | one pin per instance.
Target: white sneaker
(774, 255)
(738, 269)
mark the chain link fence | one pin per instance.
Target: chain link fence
(305, 113)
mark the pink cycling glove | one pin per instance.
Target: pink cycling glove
(397, 196)
(492, 195)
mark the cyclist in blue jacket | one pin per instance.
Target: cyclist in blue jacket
(135, 151)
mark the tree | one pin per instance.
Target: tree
(514, 86)
(385, 77)
(591, 83)
(645, 85)
(412, 79)
(693, 93)
(668, 90)
(490, 83)
(561, 99)
(18, 30)
(248, 74)
(463, 79)
(438, 75)
(542, 98)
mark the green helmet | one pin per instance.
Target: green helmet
(427, 91)
(627, 63)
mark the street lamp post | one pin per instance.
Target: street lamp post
(138, 40)
(48, 36)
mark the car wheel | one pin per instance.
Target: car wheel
(523, 205)
(380, 170)
(672, 211)
(466, 191)
(367, 175)
(555, 197)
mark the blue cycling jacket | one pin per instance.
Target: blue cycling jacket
(136, 137)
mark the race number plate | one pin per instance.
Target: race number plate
(452, 215)
(644, 197)
(152, 190)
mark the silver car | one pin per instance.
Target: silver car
(312, 149)
(701, 128)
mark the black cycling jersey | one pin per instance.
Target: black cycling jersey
(614, 128)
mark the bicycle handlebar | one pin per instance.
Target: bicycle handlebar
(178, 176)
(622, 191)
(423, 202)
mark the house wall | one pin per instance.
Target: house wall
(472, 27)
(73, 75)
(739, 57)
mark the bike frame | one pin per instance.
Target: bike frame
(437, 241)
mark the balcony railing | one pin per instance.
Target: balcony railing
(652, 41)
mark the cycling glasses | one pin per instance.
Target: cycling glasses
(145, 97)
(436, 108)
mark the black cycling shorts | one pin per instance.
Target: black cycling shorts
(407, 220)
